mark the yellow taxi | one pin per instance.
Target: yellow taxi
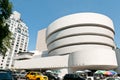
(35, 76)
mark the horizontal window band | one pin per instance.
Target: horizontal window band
(96, 34)
(86, 43)
(81, 25)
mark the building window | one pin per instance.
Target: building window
(19, 30)
(7, 64)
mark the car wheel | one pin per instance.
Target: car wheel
(27, 78)
(38, 79)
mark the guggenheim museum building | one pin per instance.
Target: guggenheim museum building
(74, 42)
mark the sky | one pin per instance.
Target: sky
(39, 14)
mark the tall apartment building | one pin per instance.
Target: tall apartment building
(19, 42)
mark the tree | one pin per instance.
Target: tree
(5, 34)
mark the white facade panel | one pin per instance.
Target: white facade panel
(74, 48)
(80, 18)
(103, 58)
(84, 39)
(41, 41)
(93, 30)
(43, 63)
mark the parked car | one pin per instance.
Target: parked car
(52, 76)
(72, 77)
(35, 76)
(6, 75)
(82, 74)
(22, 75)
(112, 78)
(15, 74)
(98, 76)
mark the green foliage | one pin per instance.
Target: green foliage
(5, 8)
(5, 34)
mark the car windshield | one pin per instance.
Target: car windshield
(39, 73)
(36, 73)
(23, 72)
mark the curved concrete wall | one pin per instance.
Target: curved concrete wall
(80, 19)
(80, 32)
(93, 59)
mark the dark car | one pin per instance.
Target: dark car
(52, 76)
(72, 77)
(6, 76)
(15, 75)
(98, 76)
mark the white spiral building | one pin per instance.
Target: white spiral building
(75, 42)
(88, 38)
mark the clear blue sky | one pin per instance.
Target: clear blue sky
(38, 14)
